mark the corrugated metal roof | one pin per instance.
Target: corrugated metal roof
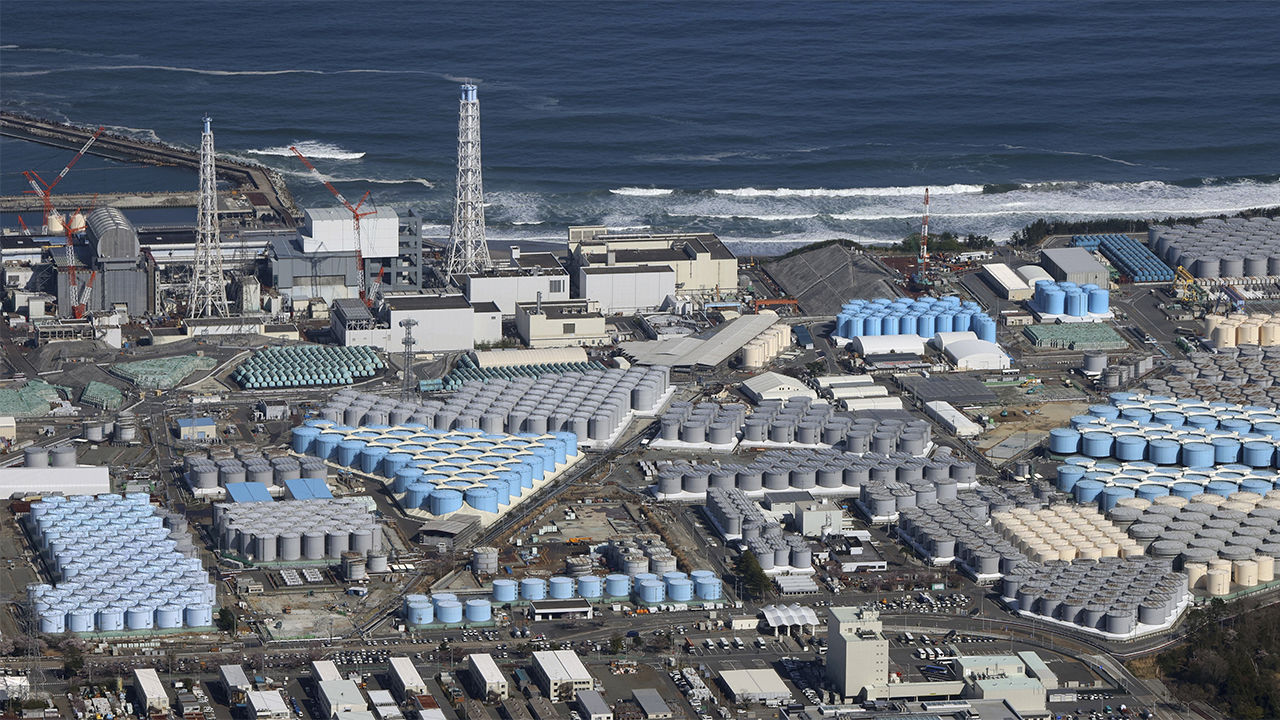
(248, 492)
(690, 352)
(307, 488)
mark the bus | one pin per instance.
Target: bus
(910, 638)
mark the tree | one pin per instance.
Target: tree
(748, 569)
(615, 644)
(226, 619)
(72, 660)
(637, 642)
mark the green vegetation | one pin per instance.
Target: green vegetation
(944, 243)
(226, 620)
(1033, 234)
(748, 569)
(72, 660)
(1229, 662)
(615, 644)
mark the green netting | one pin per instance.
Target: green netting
(1075, 336)
(107, 397)
(162, 373)
(30, 400)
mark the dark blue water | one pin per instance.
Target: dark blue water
(772, 123)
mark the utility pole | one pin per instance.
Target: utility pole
(468, 251)
(208, 296)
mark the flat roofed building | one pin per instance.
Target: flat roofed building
(561, 673)
(1006, 282)
(775, 386)
(405, 678)
(267, 705)
(323, 670)
(552, 609)
(331, 229)
(197, 429)
(1073, 264)
(703, 265)
(339, 696)
(523, 280)
(627, 289)
(487, 679)
(81, 480)
(763, 686)
(652, 704)
(593, 707)
(235, 681)
(445, 323)
(857, 651)
(149, 691)
(561, 324)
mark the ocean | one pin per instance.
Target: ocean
(770, 123)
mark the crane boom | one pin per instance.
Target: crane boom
(76, 159)
(356, 214)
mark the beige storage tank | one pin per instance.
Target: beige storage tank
(1210, 498)
(1218, 583)
(1130, 549)
(1247, 334)
(1195, 574)
(1245, 573)
(1137, 502)
(1220, 564)
(1109, 549)
(753, 355)
(1224, 336)
(1266, 568)
(1089, 552)
(1169, 500)
(1066, 552)
(1269, 335)
(1244, 497)
(1211, 323)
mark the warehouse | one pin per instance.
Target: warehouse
(627, 289)
(561, 673)
(149, 691)
(702, 264)
(867, 345)
(651, 703)
(337, 697)
(762, 686)
(1075, 265)
(77, 480)
(967, 352)
(486, 679)
(775, 386)
(1006, 282)
(955, 422)
(592, 706)
(404, 677)
(267, 705)
(445, 323)
(527, 277)
(688, 352)
(561, 324)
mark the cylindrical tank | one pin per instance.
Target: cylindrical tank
(479, 611)
(618, 585)
(561, 588)
(533, 589)
(504, 590)
(449, 612)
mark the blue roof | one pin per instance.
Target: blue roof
(802, 335)
(248, 492)
(196, 422)
(307, 489)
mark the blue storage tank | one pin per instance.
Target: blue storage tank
(138, 617)
(1186, 489)
(1269, 429)
(871, 327)
(479, 611)
(1099, 301)
(589, 586)
(1204, 422)
(1097, 444)
(1151, 491)
(416, 495)
(927, 326)
(1064, 441)
(349, 452)
(706, 586)
(325, 445)
(1169, 418)
(198, 616)
(438, 598)
(1256, 485)
(1163, 451)
(945, 321)
(446, 500)
(394, 462)
(1068, 476)
(1197, 454)
(1112, 495)
(371, 457)
(855, 327)
(484, 499)
(1235, 425)
(1136, 414)
(1131, 447)
(1075, 304)
(449, 612)
(986, 328)
(167, 617)
(679, 590)
(403, 477)
(1087, 491)
(561, 588)
(533, 589)
(1106, 412)
(1055, 301)
(1225, 450)
(651, 591)
(889, 325)
(1221, 487)
(501, 490)
(570, 441)
(558, 446)
(504, 591)
(617, 585)
(303, 438)
(908, 324)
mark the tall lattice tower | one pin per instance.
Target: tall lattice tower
(208, 285)
(467, 250)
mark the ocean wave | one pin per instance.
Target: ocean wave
(312, 149)
(226, 73)
(641, 192)
(139, 133)
(912, 190)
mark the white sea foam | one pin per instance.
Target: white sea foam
(312, 149)
(852, 192)
(641, 192)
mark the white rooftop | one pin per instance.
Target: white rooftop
(561, 666)
(776, 386)
(488, 669)
(794, 614)
(759, 684)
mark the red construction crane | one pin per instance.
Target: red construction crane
(356, 214)
(79, 308)
(44, 190)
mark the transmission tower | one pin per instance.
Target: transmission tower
(468, 252)
(408, 325)
(208, 286)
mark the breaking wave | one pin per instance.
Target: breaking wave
(642, 192)
(911, 191)
(312, 149)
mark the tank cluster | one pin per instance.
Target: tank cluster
(1247, 375)
(640, 553)
(119, 567)
(900, 482)
(1111, 595)
(1218, 541)
(1240, 330)
(704, 423)
(445, 609)
(1108, 483)
(1063, 532)
(1169, 431)
(122, 429)
(1116, 372)
(38, 456)
(959, 530)
(738, 518)
(436, 472)
(594, 405)
(1130, 257)
(1070, 299)
(205, 471)
(924, 317)
(297, 530)
(763, 348)
(307, 366)
(1232, 248)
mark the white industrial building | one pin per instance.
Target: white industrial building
(652, 706)
(267, 705)
(857, 651)
(1073, 264)
(149, 691)
(445, 323)
(627, 288)
(703, 266)
(561, 673)
(527, 277)
(488, 680)
(1006, 282)
(775, 386)
(236, 682)
(332, 229)
(955, 422)
(592, 706)
(888, 344)
(404, 677)
(324, 670)
(819, 518)
(762, 686)
(561, 324)
(78, 480)
(337, 697)
(967, 352)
